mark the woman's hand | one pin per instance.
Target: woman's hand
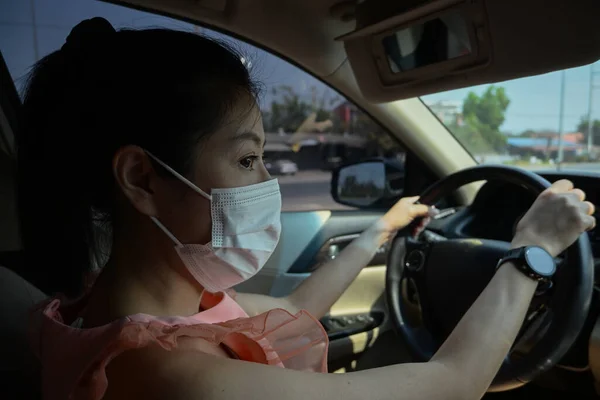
(556, 219)
(403, 213)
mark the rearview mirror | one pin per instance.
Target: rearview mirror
(372, 183)
(438, 40)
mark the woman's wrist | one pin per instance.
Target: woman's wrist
(510, 271)
(381, 231)
(374, 236)
(523, 241)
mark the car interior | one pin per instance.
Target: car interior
(406, 301)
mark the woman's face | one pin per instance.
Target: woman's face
(231, 157)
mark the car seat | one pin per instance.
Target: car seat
(19, 368)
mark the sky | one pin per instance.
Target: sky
(535, 101)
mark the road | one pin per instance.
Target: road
(310, 190)
(584, 167)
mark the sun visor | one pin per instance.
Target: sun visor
(410, 48)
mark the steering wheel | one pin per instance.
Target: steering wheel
(431, 282)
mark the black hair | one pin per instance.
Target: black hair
(159, 89)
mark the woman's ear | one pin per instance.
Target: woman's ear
(136, 178)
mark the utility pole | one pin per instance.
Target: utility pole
(590, 127)
(36, 50)
(589, 116)
(560, 119)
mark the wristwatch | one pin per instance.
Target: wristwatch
(533, 261)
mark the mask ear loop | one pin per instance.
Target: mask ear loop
(167, 232)
(180, 177)
(184, 180)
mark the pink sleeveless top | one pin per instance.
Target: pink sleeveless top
(74, 360)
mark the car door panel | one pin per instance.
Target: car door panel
(339, 228)
(357, 323)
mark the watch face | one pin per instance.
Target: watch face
(540, 261)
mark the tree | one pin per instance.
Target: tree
(483, 116)
(583, 128)
(489, 108)
(288, 112)
(469, 134)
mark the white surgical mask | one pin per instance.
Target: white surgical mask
(246, 224)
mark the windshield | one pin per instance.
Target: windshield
(539, 122)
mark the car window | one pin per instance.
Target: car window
(539, 122)
(310, 128)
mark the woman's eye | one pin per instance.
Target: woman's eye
(248, 162)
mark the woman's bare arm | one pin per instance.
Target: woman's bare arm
(325, 286)
(317, 293)
(482, 339)
(462, 369)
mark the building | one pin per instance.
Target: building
(571, 137)
(447, 111)
(545, 147)
(347, 114)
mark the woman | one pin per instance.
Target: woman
(154, 139)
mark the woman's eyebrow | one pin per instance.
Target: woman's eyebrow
(253, 136)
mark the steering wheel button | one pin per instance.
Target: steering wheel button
(415, 260)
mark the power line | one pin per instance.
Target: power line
(534, 115)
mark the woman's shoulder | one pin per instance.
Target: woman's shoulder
(186, 373)
(151, 372)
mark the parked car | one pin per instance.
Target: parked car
(282, 167)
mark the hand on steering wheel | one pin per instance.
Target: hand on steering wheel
(556, 219)
(403, 213)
